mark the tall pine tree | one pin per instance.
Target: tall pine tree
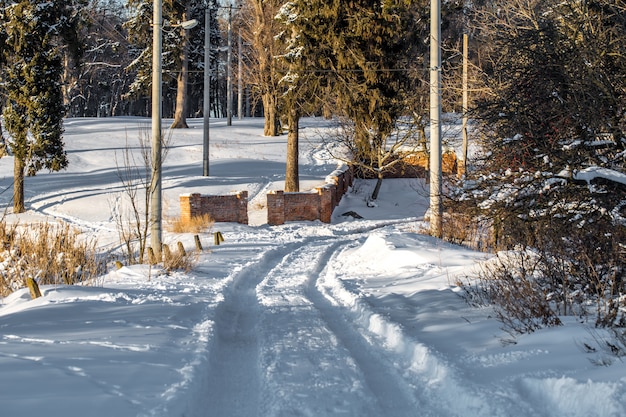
(299, 87)
(367, 55)
(34, 109)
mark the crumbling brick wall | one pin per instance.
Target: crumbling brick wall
(312, 205)
(222, 208)
(282, 207)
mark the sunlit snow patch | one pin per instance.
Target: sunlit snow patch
(377, 255)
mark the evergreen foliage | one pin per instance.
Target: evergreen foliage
(367, 55)
(361, 60)
(34, 108)
(555, 73)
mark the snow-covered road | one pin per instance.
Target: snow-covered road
(279, 337)
(298, 334)
(324, 322)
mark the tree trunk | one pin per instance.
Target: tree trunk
(261, 34)
(18, 185)
(180, 114)
(379, 182)
(272, 122)
(3, 145)
(292, 181)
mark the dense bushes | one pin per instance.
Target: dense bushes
(550, 183)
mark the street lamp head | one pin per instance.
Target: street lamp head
(189, 24)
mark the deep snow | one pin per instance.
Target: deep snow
(355, 318)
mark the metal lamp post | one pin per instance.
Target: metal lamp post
(156, 207)
(436, 207)
(155, 184)
(207, 91)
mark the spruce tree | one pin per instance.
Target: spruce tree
(34, 109)
(365, 57)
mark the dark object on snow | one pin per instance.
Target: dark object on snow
(352, 214)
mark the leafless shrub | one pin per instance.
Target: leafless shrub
(583, 270)
(384, 156)
(510, 283)
(131, 210)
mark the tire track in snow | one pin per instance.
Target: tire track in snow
(306, 370)
(393, 395)
(234, 380)
(234, 372)
(234, 377)
(315, 361)
(440, 386)
(257, 364)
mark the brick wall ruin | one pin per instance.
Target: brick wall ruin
(449, 163)
(283, 207)
(222, 208)
(312, 205)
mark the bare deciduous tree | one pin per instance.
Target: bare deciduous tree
(260, 30)
(131, 209)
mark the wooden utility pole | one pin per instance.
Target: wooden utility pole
(240, 77)
(207, 91)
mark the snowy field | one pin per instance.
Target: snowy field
(355, 318)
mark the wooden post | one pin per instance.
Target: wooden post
(151, 257)
(198, 243)
(166, 252)
(33, 287)
(181, 249)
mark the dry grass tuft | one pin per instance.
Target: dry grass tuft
(178, 260)
(196, 224)
(50, 253)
